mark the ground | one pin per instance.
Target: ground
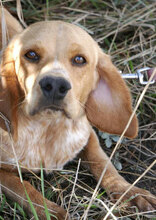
(125, 30)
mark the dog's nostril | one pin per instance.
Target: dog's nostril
(62, 89)
(48, 87)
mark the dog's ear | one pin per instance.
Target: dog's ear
(109, 106)
(11, 93)
(9, 26)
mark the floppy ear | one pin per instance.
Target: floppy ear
(11, 93)
(109, 106)
(9, 26)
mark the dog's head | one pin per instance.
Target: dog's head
(57, 66)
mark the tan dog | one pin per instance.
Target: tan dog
(55, 83)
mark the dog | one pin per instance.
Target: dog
(56, 83)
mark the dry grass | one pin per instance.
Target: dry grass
(126, 30)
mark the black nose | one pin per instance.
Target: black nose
(54, 88)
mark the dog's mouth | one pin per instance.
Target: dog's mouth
(49, 108)
(54, 108)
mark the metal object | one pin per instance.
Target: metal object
(141, 74)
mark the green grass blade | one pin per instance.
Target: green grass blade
(15, 208)
(21, 210)
(31, 205)
(42, 186)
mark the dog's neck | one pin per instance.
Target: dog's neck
(50, 139)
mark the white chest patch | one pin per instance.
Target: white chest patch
(50, 142)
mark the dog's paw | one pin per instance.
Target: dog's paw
(55, 211)
(140, 198)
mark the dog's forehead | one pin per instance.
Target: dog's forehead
(56, 28)
(58, 33)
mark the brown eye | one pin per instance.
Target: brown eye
(79, 60)
(32, 56)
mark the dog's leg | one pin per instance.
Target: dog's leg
(114, 184)
(14, 189)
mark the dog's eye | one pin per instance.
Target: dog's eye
(32, 56)
(79, 60)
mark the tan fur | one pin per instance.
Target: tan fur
(98, 95)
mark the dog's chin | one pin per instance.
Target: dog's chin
(51, 111)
